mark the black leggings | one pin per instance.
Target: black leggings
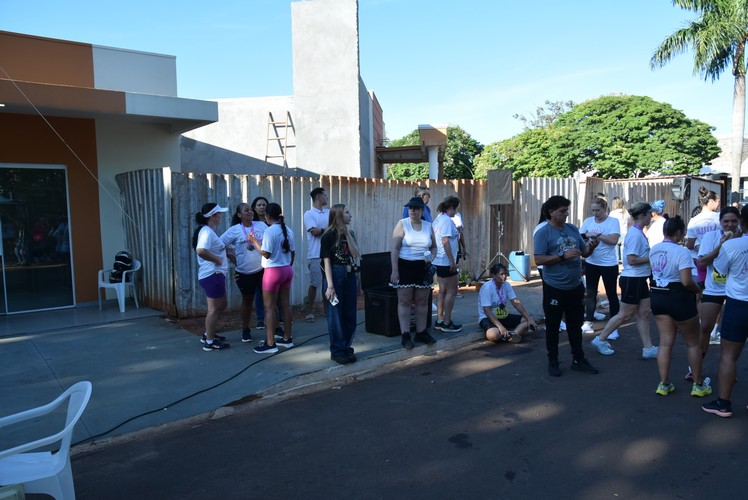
(593, 274)
(558, 303)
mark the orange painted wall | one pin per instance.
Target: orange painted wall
(35, 59)
(28, 139)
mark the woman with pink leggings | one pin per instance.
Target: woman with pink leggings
(278, 252)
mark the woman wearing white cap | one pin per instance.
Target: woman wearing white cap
(213, 267)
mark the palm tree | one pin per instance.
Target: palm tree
(718, 40)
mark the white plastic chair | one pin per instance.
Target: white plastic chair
(45, 472)
(128, 281)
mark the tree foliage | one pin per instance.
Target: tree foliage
(613, 136)
(459, 156)
(545, 115)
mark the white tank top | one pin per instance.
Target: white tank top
(415, 243)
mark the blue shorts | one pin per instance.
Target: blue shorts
(214, 286)
(734, 321)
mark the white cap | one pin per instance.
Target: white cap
(217, 208)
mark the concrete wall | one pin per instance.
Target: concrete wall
(326, 86)
(133, 71)
(237, 143)
(366, 130)
(122, 147)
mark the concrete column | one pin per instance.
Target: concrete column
(433, 162)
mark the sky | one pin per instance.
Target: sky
(471, 63)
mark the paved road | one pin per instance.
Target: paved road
(486, 422)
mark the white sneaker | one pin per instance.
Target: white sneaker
(598, 316)
(715, 339)
(613, 335)
(649, 352)
(602, 346)
(562, 327)
(587, 327)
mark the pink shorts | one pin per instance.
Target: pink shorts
(275, 279)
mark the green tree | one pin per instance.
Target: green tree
(615, 136)
(459, 155)
(545, 115)
(718, 40)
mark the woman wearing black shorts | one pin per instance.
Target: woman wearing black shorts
(674, 306)
(413, 249)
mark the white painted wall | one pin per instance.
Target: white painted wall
(326, 86)
(121, 147)
(236, 144)
(133, 71)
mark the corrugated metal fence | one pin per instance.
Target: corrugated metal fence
(160, 208)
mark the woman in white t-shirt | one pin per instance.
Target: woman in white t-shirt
(278, 253)
(714, 286)
(635, 296)
(654, 232)
(674, 306)
(620, 213)
(704, 222)
(603, 262)
(493, 315)
(213, 266)
(248, 261)
(447, 237)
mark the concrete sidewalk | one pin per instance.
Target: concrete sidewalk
(147, 372)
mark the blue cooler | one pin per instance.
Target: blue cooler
(521, 262)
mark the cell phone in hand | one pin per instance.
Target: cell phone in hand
(334, 300)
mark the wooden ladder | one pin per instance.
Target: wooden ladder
(274, 136)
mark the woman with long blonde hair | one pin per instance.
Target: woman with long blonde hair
(340, 256)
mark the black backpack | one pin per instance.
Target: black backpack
(122, 263)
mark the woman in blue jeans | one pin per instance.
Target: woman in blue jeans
(339, 253)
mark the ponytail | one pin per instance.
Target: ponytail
(286, 246)
(201, 220)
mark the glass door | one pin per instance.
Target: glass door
(36, 262)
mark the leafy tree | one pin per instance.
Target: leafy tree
(459, 155)
(718, 40)
(615, 136)
(545, 115)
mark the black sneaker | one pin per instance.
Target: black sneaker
(266, 348)
(279, 333)
(425, 338)
(719, 407)
(260, 325)
(406, 342)
(284, 342)
(217, 345)
(583, 365)
(341, 360)
(246, 335)
(351, 355)
(553, 369)
(438, 325)
(451, 327)
(215, 337)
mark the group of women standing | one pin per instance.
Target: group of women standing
(686, 292)
(263, 252)
(261, 246)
